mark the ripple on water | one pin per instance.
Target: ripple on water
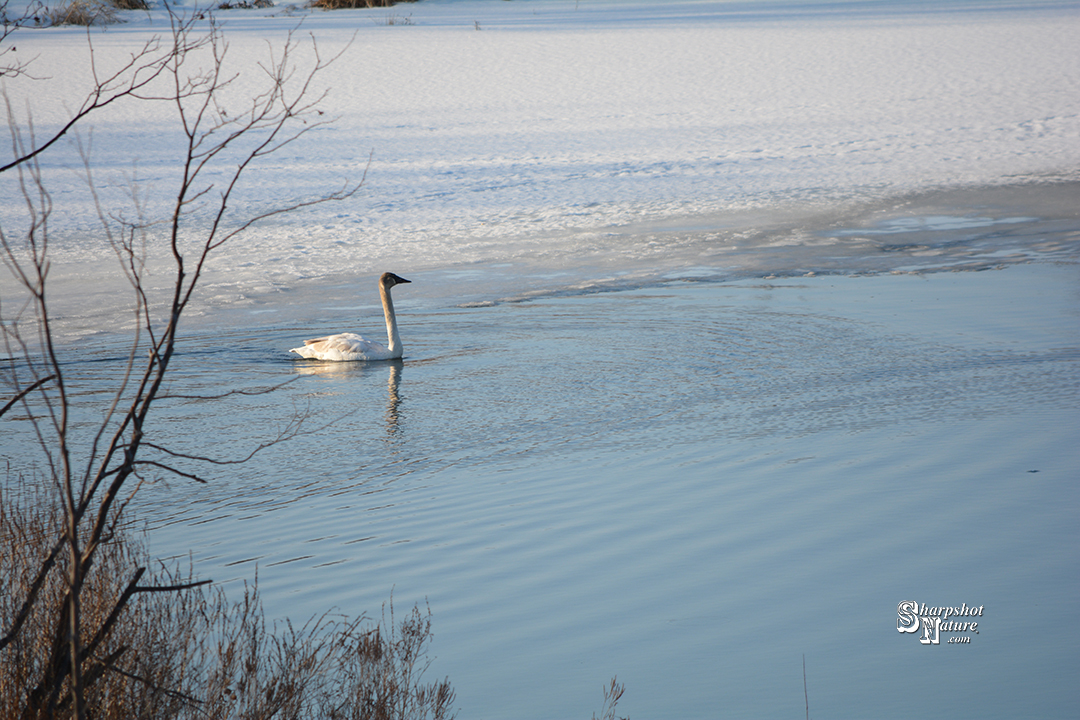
(667, 484)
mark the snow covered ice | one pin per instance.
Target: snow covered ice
(560, 144)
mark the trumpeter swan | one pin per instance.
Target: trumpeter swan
(350, 346)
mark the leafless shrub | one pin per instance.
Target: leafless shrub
(385, 672)
(127, 82)
(137, 643)
(246, 5)
(353, 4)
(9, 23)
(396, 20)
(64, 626)
(130, 4)
(613, 692)
(80, 12)
(193, 654)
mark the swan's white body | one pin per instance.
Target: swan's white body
(350, 346)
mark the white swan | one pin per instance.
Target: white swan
(350, 346)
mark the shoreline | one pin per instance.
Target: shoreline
(960, 229)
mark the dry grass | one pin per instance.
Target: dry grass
(353, 4)
(85, 12)
(613, 692)
(193, 654)
(245, 5)
(396, 20)
(80, 12)
(130, 4)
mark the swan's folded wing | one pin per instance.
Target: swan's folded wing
(344, 346)
(343, 343)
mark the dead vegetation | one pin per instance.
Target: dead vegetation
(613, 692)
(77, 12)
(129, 4)
(246, 5)
(87, 628)
(354, 4)
(192, 653)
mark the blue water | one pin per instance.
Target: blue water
(689, 487)
(690, 484)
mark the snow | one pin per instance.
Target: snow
(534, 132)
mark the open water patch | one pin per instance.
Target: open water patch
(660, 483)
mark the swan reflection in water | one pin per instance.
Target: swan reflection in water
(346, 371)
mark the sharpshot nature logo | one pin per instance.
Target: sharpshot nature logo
(933, 621)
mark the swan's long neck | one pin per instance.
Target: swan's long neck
(392, 336)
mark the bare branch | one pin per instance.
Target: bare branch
(163, 466)
(217, 144)
(32, 594)
(109, 665)
(24, 392)
(8, 25)
(143, 68)
(229, 393)
(172, 588)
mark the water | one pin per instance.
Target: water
(690, 484)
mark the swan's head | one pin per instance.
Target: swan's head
(389, 280)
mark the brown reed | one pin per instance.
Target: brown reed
(194, 653)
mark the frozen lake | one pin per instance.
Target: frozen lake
(732, 326)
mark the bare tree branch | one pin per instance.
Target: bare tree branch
(137, 74)
(93, 498)
(24, 392)
(247, 392)
(169, 468)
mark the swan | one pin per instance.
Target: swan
(350, 346)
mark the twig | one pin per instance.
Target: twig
(806, 696)
(25, 391)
